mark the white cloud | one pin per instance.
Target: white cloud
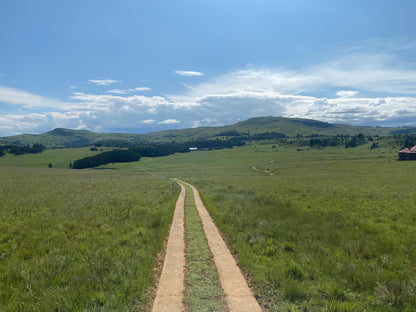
(139, 89)
(11, 124)
(347, 93)
(117, 91)
(188, 73)
(28, 100)
(103, 82)
(148, 121)
(265, 91)
(168, 122)
(120, 91)
(106, 102)
(357, 89)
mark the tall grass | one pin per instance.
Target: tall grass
(80, 240)
(332, 230)
(328, 232)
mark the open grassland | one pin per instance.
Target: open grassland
(331, 230)
(80, 240)
(58, 158)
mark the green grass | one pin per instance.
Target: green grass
(203, 291)
(332, 230)
(59, 158)
(80, 240)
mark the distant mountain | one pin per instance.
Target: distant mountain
(59, 138)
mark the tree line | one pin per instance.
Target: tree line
(347, 141)
(20, 150)
(152, 150)
(106, 158)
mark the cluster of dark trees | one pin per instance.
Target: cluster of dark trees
(407, 140)
(268, 136)
(253, 137)
(347, 141)
(152, 150)
(20, 150)
(106, 158)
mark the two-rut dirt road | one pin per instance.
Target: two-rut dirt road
(169, 295)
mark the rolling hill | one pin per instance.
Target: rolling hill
(61, 138)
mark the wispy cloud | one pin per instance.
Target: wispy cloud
(103, 82)
(117, 91)
(188, 73)
(28, 100)
(344, 93)
(148, 121)
(139, 89)
(168, 122)
(120, 91)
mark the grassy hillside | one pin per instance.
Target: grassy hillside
(306, 127)
(331, 230)
(288, 126)
(60, 138)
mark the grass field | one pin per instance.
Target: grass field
(80, 240)
(58, 158)
(332, 230)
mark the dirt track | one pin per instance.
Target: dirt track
(264, 171)
(170, 290)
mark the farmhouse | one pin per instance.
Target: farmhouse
(408, 154)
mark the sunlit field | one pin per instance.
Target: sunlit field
(80, 240)
(331, 230)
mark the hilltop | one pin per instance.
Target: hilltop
(291, 127)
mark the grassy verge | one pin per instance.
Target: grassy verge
(332, 230)
(80, 240)
(203, 291)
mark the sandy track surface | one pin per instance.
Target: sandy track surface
(264, 171)
(238, 294)
(170, 290)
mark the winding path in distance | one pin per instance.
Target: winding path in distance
(170, 290)
(264, 171)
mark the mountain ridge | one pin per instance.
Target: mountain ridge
(291, 127)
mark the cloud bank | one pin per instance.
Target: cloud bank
(358, 89)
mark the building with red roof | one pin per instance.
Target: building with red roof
(408, 153)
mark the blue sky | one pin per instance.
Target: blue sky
(139, 66)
